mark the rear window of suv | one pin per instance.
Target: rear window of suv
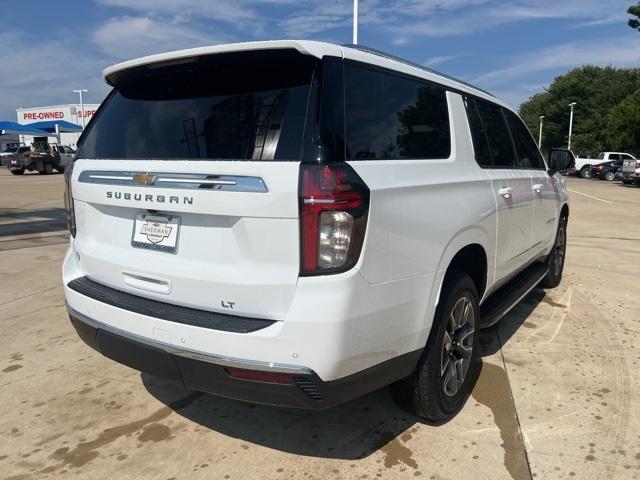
(240, 106)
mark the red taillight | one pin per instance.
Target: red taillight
(259, 376)
(598, 167)
(334, 202)
(637, 164)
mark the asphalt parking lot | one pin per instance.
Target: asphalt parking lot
(558, 395)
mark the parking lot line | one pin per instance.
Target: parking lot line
(590, 196)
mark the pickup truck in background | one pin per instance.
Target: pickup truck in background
(631, 171)
(583, 165)
(44, 158)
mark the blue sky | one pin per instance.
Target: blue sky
(512, 48)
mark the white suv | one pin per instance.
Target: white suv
(299, 223)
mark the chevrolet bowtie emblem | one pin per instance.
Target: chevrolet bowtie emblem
(144, 178)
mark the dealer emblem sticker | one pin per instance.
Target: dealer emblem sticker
(156, 232)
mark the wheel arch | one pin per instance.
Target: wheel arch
(564, 211)
(462, 253)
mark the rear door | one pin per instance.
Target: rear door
(544, 186)
(186, 183)
(512, 186)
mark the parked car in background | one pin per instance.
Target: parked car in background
(397, 228)
(583, 165)
(606, 170)
(66, 154)
(631, 171)
(12, 150)
(43, 158)
(8, 152)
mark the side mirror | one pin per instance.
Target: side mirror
(560, 160)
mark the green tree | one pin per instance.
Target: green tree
(635, 11)
(623, 125)
(596, 90)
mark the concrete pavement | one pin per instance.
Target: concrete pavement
(556, 398)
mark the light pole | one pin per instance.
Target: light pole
(355, 22)
(80, 92)
(540, 132)
(572, 104)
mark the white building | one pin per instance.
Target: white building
(70, 113)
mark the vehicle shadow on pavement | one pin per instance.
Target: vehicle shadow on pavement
(495, 337)
(32, 221)
(350, 431)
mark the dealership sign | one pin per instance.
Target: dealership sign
(70, 113)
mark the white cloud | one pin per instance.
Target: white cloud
(459, 18)
(46, 72)
(430, 62)
(618, 51)
(129, 37)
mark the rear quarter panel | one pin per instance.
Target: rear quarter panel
(422, 213)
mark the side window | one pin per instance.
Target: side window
(497, 134)
(624, 156)
(391, 116)
(478, 134)
(614, 156)
(527, 153)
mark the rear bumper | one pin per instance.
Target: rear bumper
(631, 175)
(208, 373)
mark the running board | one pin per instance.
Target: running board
(502, 301)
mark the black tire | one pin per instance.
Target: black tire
(47, 169)
(585, 172)
(609, 176)
(424, 393)
(555, 260)
(19, 171)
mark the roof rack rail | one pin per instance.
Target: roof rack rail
(415, 65)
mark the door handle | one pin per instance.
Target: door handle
(505, 192)
(538, 187)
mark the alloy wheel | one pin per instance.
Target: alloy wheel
(559, 251)
(457, 347)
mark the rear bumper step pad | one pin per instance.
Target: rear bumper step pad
(167, 311)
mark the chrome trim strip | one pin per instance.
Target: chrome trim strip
(188, 181)
(192, 354)
(208, 182)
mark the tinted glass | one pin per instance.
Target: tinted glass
(624, 156)
(527, 153)
(241, 106)
(478, 134)
(497, 134)
(614, 156)
(389, 116)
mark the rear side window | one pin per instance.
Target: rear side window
(500, 146)
(391, 116)
(478, 134)
(239, 106)
(527, 153)
(614, 156)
